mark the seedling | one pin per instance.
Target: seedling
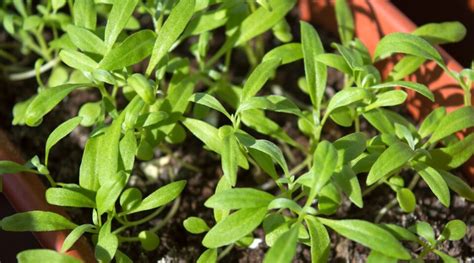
(85, 53)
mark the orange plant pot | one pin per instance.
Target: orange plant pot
(373, 20)
(26, 192)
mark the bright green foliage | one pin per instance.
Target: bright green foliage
(161, 80)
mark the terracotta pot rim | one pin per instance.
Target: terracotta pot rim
(26, 192)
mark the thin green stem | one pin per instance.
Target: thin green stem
(225, 252)
(169, 216)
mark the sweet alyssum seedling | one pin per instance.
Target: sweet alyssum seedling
(101, 45)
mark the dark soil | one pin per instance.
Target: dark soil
(176, 244)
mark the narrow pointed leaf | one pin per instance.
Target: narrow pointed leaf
(44, 255)
(47, 100)
(420, 88)
(131, 51)
(369, 235)
(316, 72)
(59, 133)
(172, 28)
(320, 241)
(161, 196)
(117, 20)
(392, 159)
(238, 198)
(407, 44)
(234, 227)
(36, 221)
(284, 249)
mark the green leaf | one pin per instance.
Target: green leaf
(285, 203)
(399, 232)
(257, 120)
(271, 102)
(350, 147)
(369, 235)
(346, 97)
(75, 234)
(406, 66)
(284, 249)
(209, 256)
(68, 197)
(107, 243)
(324, 164)
(209, 135)
(441, 33)
(320, 241)
(85, 14)
(142, 86)
(407, 44)
(452, 156)
(44, 255)
(388, 98)
(316, 72)
(262, 19)
(117, 20)
(59, 133)
(334, 61)
(234, 227)
(205, 132)
(121, 257)
(458, 185)
(287, 53)
(454, 230)
(173, 27)
(435, 181)
(128, 149)
(91, 159)
(161, 196)
(109, 192)
(107, 164)
(130, 199)
(77, 60)
(347, 180)
(209, 101)
(455, 121)
(424, 230)
(207, 21)
(90, 112)
(195, 225)
(36, 221)
(345, 22)
(85, 40)
(376, 257)
(229, 154)
(420, 88)
(431, 122)
(258, 78)
(238, 198)
(149, 240)
(47, 100)
(131, 51)
(9, 167)
(271, 150)
(390, 161)
(445, 257)
(406, 200)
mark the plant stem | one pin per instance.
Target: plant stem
(225, 252)
(357, 123)
(467, 97)
(385, 209)
(168, 217)
(32, 73)
(50, 179)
